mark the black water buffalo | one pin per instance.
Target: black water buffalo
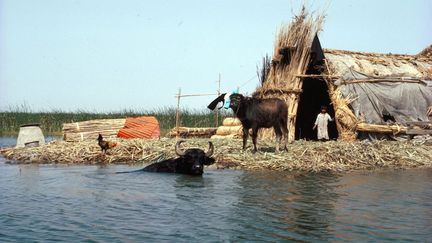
(258, 113)
(190, 161)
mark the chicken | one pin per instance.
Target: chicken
(105, 145)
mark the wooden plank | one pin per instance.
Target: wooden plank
(395, 129)
(392, 129)
(356, 81)
(326, 76)
(193, 95)
(283, 91)
(178, 113)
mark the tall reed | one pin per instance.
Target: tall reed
(51, 121)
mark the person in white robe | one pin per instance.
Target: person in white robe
(322, 122)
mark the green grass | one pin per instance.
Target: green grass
(51, 121)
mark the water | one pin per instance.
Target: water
(10, 141)
(90, 203)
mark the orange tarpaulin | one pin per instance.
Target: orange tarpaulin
(140, 127)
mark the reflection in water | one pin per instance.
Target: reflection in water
(313, 211)
(10, 141)
(297, 206)
(90, 203)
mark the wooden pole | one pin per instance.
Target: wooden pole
(292, 115)
(394, 129)
(194, 95)
(355, 81)
(294, 99)
(217, 110)
(328, 76)
(178, 114)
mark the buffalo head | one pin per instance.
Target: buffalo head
(192, 161)
(235, 101)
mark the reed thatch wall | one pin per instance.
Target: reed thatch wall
(291, 58)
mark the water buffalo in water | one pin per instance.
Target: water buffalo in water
(190, 161)
(258, 113)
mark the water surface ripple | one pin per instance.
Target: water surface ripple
(90, 203)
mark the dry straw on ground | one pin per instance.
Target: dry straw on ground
(301, 155)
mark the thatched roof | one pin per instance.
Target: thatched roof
(291, 56)
(427, 52)
(375, 64)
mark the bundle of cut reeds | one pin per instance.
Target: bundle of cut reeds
(345, 118)
(79, 131)
(231, 121)
(231, 128)
(199, 132)
(264, 70)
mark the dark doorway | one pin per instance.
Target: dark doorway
(314, 95)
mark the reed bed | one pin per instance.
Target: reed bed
(52, 121)
(301, 155)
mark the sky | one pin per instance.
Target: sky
(106, 55)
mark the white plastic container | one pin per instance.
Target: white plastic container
(30, 135)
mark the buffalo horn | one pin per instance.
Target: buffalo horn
(210, 150)
(178, 150)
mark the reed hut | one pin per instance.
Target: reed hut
(370, 95)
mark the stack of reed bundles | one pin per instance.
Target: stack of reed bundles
(195, 132)
(231, 128)
(89, 130)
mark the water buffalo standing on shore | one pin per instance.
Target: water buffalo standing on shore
(258, 113)
(190, 161)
